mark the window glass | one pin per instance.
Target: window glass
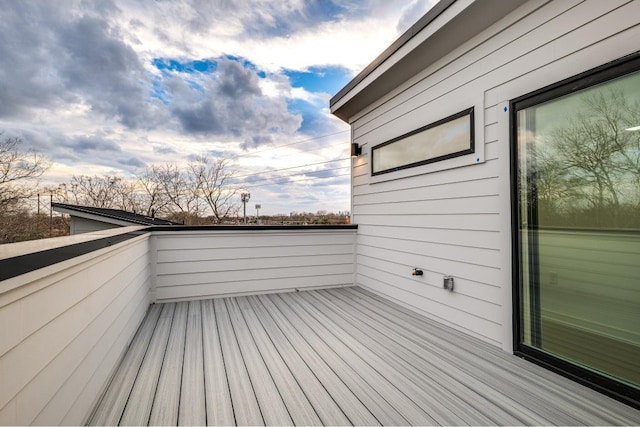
(579, 224)
(447, 138)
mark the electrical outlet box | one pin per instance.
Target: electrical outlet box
(448, 283)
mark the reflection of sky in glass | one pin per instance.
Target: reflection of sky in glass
(447, 138)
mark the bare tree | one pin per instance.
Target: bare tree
(129, 197)
(167, 190)
(18, 169)
(179, 193)
(592, 162)
(153, 199)
(211, 180)
(98, 191)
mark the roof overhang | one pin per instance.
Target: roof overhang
(446, 26)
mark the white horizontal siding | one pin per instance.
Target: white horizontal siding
(64, 329)
(84, 225)
(457, 221)
(205, 264)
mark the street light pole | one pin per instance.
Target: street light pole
(245, 198)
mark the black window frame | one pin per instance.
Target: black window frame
(471, 150)
(592, 379)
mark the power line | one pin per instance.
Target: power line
(235, 156)
(294, 174)
(343, 144)
(305, 179)
(291, 167)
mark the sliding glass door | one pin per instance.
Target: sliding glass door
(577, 226)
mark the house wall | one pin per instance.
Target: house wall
(84, 225)
(205, 264)
(63, 329)
(457, 221)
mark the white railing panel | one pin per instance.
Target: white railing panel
(64, 326)
(210, 263)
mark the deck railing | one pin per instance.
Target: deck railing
(70, 306)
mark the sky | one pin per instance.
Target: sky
(108, 87)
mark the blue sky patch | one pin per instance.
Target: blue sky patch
(320, 79)
(198, 65)
(325, 10)
(312, 118)
(158, 91)
(203, 66)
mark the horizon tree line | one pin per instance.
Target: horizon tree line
(201, 192)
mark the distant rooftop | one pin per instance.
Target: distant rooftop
(111, 214)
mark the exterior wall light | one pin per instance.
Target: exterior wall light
(356, 150)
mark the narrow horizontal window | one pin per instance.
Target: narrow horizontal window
(444, 139)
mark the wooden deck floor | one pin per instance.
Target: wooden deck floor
(332, 357)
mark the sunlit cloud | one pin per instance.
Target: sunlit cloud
(110, 87)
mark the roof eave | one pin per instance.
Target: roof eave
(460, 20)
(432, 14)
(108, 219)
(88, 213)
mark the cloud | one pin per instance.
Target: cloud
(27, 77)
(412, 13)
(255, 19)
(112, 85)
(232, 105)
(133, 162)
(102, 71)
(54, 57)
(163, 149)
(91, 143)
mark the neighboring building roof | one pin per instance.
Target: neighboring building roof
(111, 216)
(440, 31)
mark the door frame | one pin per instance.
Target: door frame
(602, 383)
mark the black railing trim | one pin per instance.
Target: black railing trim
(21, 264)
(174, 228)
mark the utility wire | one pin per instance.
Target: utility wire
(289, 168)
(293, 174)
(285, 145)
(340, 144)
(305, 179)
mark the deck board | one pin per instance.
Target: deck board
(269, 397)
(167, 398)
(346, 368)
(465, 393)
(245, 404)
(333, 357)
(471, 364)
(114, 401)
(332, 400)
(363, 363)
(192, 402)
(217, 394)
(411, 367)
(294, 398)
(139, 405)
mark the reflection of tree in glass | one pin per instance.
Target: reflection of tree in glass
(589, 169)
